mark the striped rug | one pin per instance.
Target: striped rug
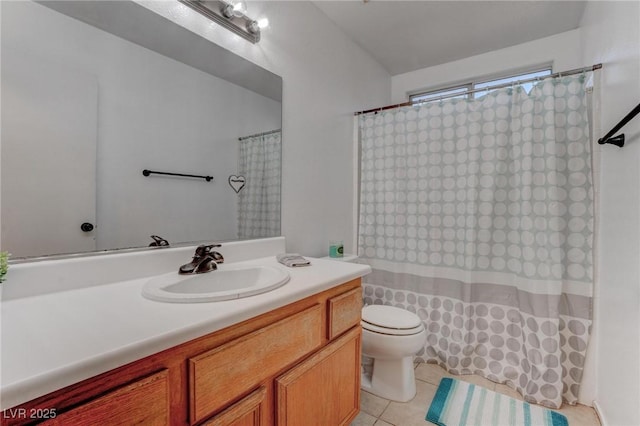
(461, 403)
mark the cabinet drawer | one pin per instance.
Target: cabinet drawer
(145, 401)
(345, 311)
(221, 375)
(246, 412)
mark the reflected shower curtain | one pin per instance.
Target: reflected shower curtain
(259, 200)
(477, 214)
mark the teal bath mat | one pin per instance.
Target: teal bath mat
(461, 403)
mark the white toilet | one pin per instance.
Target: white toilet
(391, 337)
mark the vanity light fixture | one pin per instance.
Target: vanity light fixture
(231, 15)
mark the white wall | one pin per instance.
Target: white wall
(610, 33)
(326, 78)
(153, 113)
(560, 50)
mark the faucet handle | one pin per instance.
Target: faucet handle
(158, 242)
(204, 249)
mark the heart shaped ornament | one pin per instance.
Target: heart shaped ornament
(237, 183)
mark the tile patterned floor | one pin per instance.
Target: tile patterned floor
(376, 411)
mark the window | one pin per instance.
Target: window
(427, 96)
(462, 91)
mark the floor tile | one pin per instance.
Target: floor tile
(431, 373)
(580, 415)
(476, 380)
(363, 419)
(372, 404)
(413, 412)
(382, 423)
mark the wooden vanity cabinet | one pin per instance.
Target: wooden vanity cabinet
(296, 365)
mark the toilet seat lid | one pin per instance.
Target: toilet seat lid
(389, 317)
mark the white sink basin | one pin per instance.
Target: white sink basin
(225, 283)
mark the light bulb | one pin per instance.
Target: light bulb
(263, 23)
(239, 8)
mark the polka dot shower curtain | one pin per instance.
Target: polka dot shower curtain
(259, 200)
(477, 214)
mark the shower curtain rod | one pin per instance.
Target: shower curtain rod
(619, 140)
(484, 89)
(260, 134)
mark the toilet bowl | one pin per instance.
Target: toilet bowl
(391, 337)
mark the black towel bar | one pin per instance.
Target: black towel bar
(146, 172)
(619, 140)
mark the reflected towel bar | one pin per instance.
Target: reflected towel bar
(146, 172)
(619, 140)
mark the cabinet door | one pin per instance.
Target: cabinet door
(324, 389)
(246, 412)
(145, 401)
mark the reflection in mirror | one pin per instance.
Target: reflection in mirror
(93, 93)
(259, 206)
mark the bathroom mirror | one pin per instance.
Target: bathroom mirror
(95, 92)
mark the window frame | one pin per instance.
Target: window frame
(417, 97)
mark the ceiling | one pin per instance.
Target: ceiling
(405, 36)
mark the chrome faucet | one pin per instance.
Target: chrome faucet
(204, 260)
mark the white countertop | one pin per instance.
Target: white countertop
(53, 340)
